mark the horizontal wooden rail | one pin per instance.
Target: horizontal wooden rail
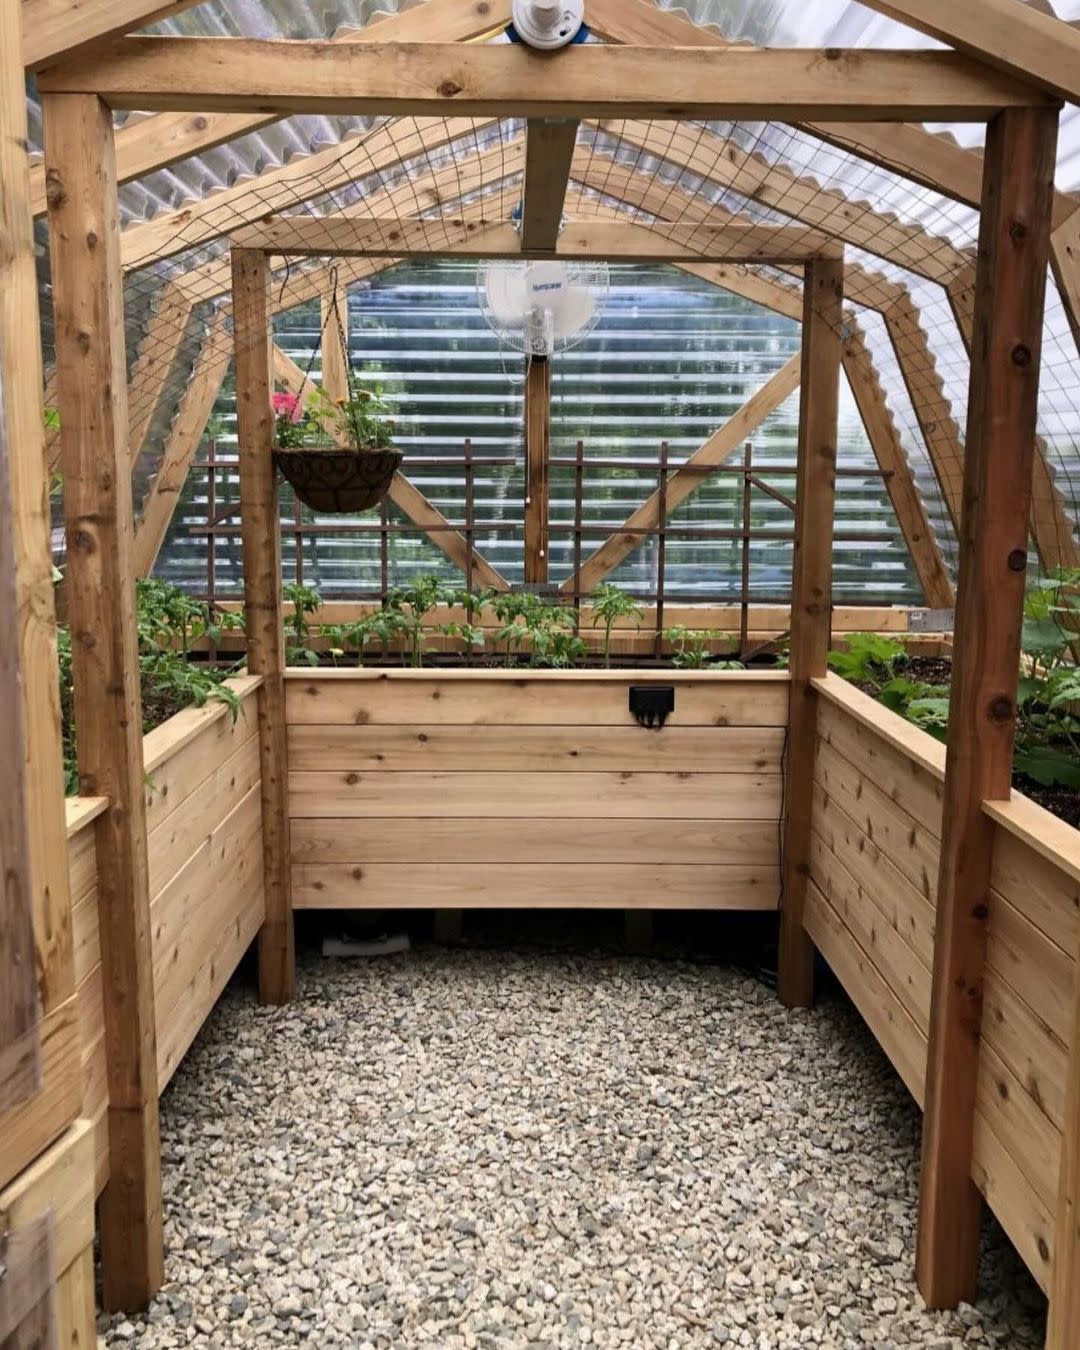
(395, 79)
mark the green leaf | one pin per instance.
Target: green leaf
(1042, 637)
(1049, 765)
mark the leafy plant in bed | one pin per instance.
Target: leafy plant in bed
(169, 624)
(1046, 762)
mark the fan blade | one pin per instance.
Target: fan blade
(505, 289)
(573, 310)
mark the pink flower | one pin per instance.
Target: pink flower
(288, 405)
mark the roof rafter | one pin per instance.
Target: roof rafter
(719, 163)
(301, 180)
(910, 151)
(907, 149)
(1016, 38)
(56, 30)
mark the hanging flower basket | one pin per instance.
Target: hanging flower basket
(331, 478)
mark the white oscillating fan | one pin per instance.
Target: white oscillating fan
(540, 308)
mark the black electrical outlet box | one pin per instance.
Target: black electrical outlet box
(651, 704)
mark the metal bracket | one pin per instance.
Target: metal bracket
(931, 620)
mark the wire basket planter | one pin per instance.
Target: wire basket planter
(335, 452)
(338, 479)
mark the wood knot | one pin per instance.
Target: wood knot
(1018, 231)
(352, 779)
(1001, 709)
(54, 189)
(449, 89)
(1018, 560)
(1021, 355)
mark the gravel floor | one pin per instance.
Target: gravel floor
(461, 1148)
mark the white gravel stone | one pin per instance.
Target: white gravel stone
(502, 1149)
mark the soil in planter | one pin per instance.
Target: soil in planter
(160, 704)
(1059, 801)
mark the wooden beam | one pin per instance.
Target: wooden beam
(34, 845)
(405, 495)
(684, 480)
(933, 575)
(1019, 39)
(260, 524)
(549, 148)
(1063, 1322)
(537, 456)
(811, 605)
(60, 30)
(150, 143)
(183, 440)
(439, 79)
(1014, 242)
(361, 236)
(1051, 527)
(84, 236)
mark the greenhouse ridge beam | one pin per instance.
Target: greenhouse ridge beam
(396, 79)
(361, 236)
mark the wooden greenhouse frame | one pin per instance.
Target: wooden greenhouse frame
(130, 956)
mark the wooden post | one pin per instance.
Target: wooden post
(31, 642)
(811, 602)
(993, 547)
(261, 530)
(537, 456)
(84, 233)
(335, 342)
